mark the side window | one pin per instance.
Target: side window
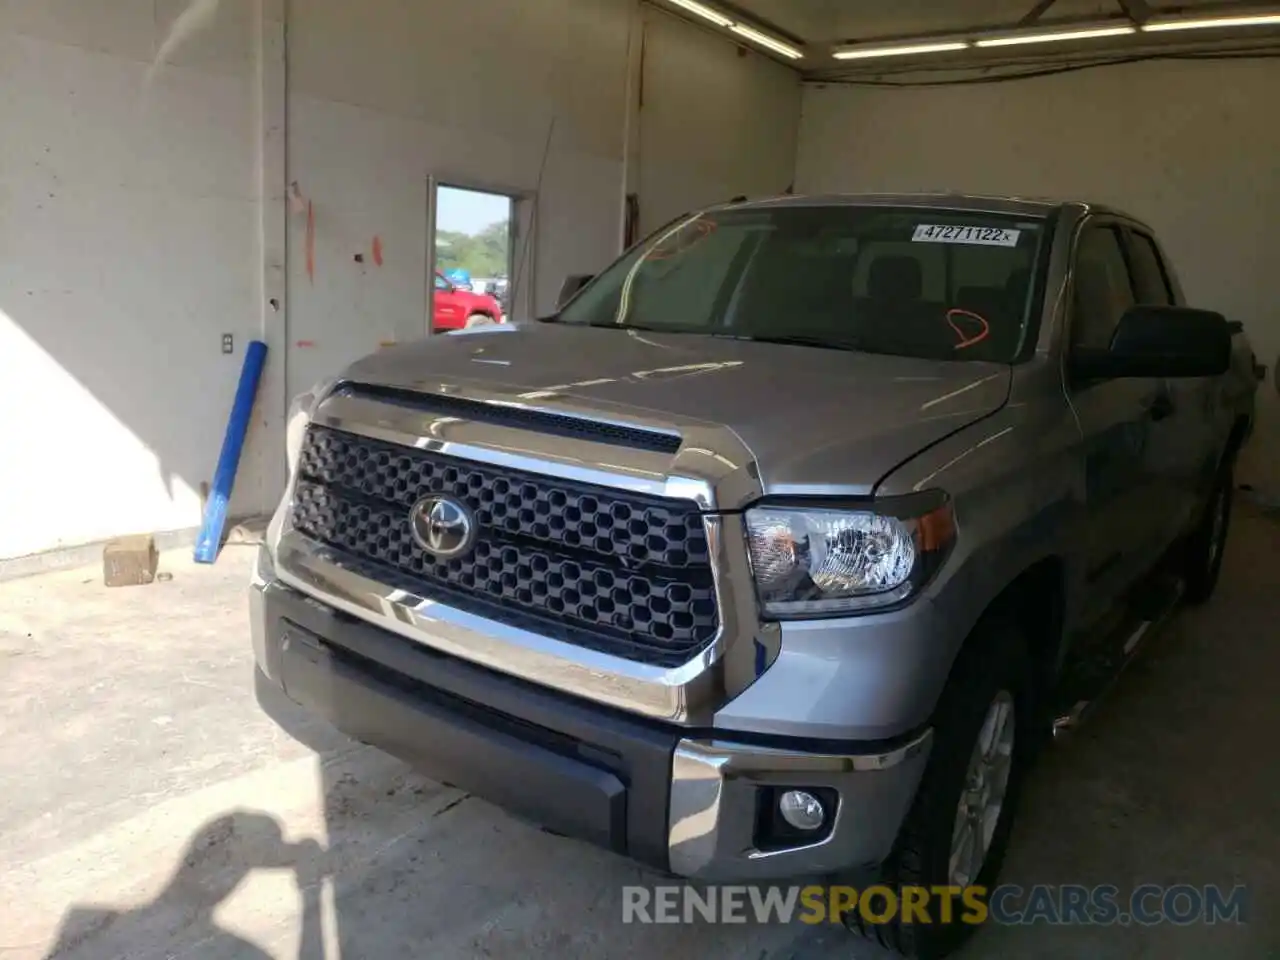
(440, 283)
(1150, 280)
(1103, 291)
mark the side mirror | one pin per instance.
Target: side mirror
(572, 284)
(1157, 341)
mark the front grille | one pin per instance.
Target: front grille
(614, 571)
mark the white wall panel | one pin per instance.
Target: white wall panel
(385, 94)
(1189, 147)
(134, 229)
(127, 218)
(717, 121)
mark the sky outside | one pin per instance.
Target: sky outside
(469, 211)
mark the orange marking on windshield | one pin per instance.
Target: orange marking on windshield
(967, 340)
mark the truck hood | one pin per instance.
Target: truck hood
(816, 421)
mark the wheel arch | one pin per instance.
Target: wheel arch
(1034, 601)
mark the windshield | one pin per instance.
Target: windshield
(910, 281)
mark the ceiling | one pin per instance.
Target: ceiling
(820, 25)
(830, 21)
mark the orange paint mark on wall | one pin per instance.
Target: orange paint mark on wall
(377, 250)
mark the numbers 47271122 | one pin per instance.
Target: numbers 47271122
(987, 236)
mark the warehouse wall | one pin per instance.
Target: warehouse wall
(383, 94)
(127, 226)
(139, 203)
(1182, 145)
(716, 121)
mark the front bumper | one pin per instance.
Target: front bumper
(676, 798)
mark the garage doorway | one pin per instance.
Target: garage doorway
(478, 264)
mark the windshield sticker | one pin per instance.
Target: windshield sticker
(983, 236)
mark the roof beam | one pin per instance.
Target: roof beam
(1136, 10)
(1036, 12)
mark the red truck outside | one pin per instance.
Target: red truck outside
(456, 308)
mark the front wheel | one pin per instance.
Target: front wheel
(479, 320)
(958, 828)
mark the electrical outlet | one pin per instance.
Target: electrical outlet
(228, 343)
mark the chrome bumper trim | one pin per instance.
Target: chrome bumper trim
(664, 693)
(713, 807)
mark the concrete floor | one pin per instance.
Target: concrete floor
(148, 809)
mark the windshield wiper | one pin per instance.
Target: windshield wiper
(794, 340)
(610, 325)
(649, 328)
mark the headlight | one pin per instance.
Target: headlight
(813, 562)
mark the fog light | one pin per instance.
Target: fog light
(802, 810)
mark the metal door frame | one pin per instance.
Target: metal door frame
(521, 250)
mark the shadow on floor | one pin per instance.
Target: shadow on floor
(218, 858)
(1170, 783)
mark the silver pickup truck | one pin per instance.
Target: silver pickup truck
(781, 548)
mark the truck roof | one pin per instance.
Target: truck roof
(1017, 206)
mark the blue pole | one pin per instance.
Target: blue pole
(224, 478)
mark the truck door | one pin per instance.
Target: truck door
(1181, 451)
(1115, 419)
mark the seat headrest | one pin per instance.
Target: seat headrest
(895, 278)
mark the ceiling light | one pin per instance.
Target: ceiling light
(899, 50)
(1243, 20)
(1047, 36)
(715, 16)
(766, 41)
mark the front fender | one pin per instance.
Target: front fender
(1018, 484)
(1018, 490)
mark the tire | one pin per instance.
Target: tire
(992, 668)
(479, 320)
(1202, 564)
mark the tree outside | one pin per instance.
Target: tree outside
(482, 254)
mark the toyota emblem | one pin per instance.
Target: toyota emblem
(442, 526)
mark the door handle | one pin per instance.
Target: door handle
(1160, 407)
